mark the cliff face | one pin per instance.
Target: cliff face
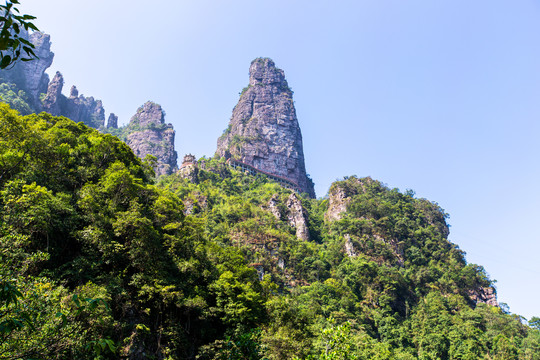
(263, 131)
(293, 211)
(149, 135)
(30, 76)
(76, 107)
(112, 122)
(146, 134)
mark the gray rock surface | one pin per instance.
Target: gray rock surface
(338, 199)
(149, 135)
(75, 107)
(263, 131)
(112, 122)
(297, 217)
(53, 100)
(349, 246)
(486, 295)
(273, 206)
(291, 210)
(30, 76)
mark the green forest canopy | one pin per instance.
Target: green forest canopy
(101, 260)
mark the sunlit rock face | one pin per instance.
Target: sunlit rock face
(150, 135)
(263, 131)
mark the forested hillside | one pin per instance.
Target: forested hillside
(99, 261)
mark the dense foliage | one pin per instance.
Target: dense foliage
(100, 261)
(13, 44)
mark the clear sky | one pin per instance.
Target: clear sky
(441, 97)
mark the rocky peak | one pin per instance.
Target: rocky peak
(293, 211)
(263, 131)
(73, 93)
(112, 122)
(340, 195)
(30, 76)
(76, 107)
(51, 103)
(149, 114)
(264, 72)
(486, 295)
(149, 135)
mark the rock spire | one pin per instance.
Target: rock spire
(263, 131)
(112, 122)
(149, 135)
(76, 107)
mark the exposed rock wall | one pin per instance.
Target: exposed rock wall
(112, 122)
(189, 169)
(53, 99)
(147, 131)
(293, 211)
(486, 295)
(297, 217)
(30, 76)
(263, 131)
(76, 107)
(338, 199)
(149, 135)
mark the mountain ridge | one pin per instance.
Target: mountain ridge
(214, 262)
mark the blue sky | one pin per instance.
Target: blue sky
(441, 97)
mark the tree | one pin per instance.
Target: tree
(13, 46)
(535, 322)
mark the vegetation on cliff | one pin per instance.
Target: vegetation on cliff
(100, 261)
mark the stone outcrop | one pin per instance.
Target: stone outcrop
(263, 131)
(297, 217)
(75, 107)
(112, 122)
(53, 99)
(293, 212)
(486, 295)
(338, 199)
(273, 206)
(349, 246)
(149, 135)
(196, 203)
(30, 76)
